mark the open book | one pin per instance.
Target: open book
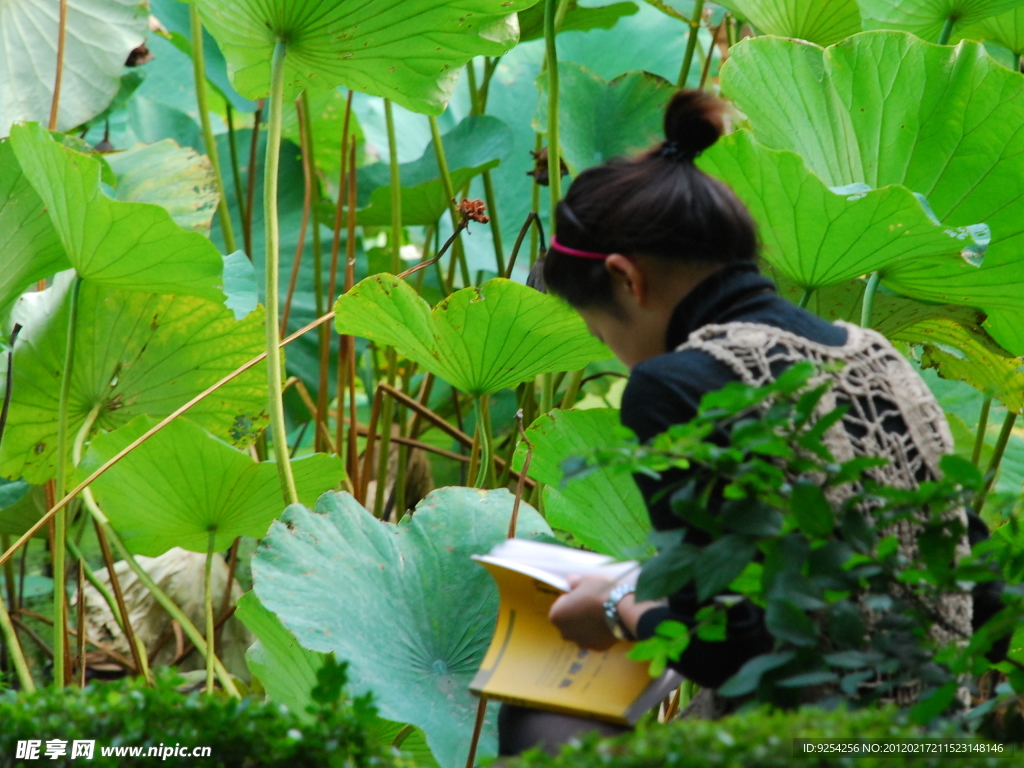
(529, 663)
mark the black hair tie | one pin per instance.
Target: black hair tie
(673, 151)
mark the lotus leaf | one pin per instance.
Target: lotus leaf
(967, 353)
(885, 108)
(21, 506)
(408, 51)
(100, 35)
(403, 604)
(29, 249)
(183, 483)
(603, 510)
(818, 21)
(479, 339)
(178, 179)
(288, 673)
(577, 17)
(602, 119)
(926, 18)
(136, 353)
(1007, 30)
(819, 236)
(132, 246)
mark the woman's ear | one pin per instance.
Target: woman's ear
(627, 278)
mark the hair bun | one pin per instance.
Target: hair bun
(693, 122)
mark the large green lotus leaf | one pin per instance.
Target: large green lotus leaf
(480, 339)
(178, 179)
(885, 108)
(29, 247)
(133, 246)
(926, 18)
(891, 314)
(403, 604)
(288, 673)
(1006, 29)
(135, 353)
(99, 36)
(818, 236)
(577, 18)
(602, 119)
(183, 482)
(603, 510)
(409, 51)
(21, 506)
(818, 21)
(475, 145)
(966, 353)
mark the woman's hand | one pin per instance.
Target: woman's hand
(579, 614)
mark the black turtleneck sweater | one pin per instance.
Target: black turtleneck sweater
(666, 390)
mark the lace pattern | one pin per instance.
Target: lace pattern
(892, 414)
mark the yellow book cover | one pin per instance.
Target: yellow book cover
(529, 663)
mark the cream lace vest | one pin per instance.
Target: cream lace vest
(892, 414)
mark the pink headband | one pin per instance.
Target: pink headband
(575, 252)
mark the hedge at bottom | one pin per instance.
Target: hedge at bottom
(760, 739)
(240, 733)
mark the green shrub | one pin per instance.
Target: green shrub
(755, 739)
(242, 732)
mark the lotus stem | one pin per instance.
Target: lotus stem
(458, 254)
(396, 190)
(547, 392)
(62, 33)
(63, 502)
(997, 458)
(572, 388)
(386, 419)
(278, 430)
(492, 211)
(307, 198)
(250, 180)
(211, 631)
(134, 643)
(538, 144)
(478, 725)
(521, 482)
(14, 648)
(160, 596)
(805, 298)
(199, 73)
(947, 30)
(691, 43)
(711, 53)
(332, 285)
(80, 624)
(9, 580)
(563, 9)
(868, 305)
(233, 149)
(60, 519)
(485, 468)
(979, 438)
(554, 158)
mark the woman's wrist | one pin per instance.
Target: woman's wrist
(631, 610)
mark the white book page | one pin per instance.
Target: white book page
(553, 564)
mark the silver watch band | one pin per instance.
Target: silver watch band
(611, 611)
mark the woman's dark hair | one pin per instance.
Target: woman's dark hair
(659, 204)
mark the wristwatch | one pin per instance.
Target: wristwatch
(611, 611)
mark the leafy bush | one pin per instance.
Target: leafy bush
(241, 732)
(754, 739)
(851, 610)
